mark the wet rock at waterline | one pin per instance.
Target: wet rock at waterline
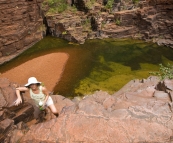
(140, 112)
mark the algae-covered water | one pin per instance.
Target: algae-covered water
(99, 64)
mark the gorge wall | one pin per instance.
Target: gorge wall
(150, 20)
(21, 25)
(22, 22)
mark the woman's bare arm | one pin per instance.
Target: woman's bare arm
(19, 99)
(46, 92)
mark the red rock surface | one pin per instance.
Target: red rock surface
(10, 114)
(150, 20)
(134, 114)
(140, 112)
(20, 26)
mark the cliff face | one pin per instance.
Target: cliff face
(21, 25)
(150, 20)
(156, 21)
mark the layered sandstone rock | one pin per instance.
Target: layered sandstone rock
(140, 112)
(22, 23)
(21, 26)
(15, 120)
(150, 20)
(10, 114)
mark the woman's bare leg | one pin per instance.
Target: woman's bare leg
(53, 109)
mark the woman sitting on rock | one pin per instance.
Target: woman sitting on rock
(38, 93)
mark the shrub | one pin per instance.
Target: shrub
(165, 72)
(55, 5)
(109, 4)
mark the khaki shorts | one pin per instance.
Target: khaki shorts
(49, 101)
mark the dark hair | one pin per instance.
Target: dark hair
(38, 84)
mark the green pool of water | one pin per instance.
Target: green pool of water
(99, 64)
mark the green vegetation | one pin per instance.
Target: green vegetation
(72, 9)
(42, 84)
(29, 32)
(57, 6)
(135, 1)
(42, 28)
(103, 24)
(86, 24)
(109, 4)
(165, 72)
(90, 3)
(7, 53)
(54, 6)
(64, 32)
(118, 22)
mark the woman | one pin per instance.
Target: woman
(38, 93)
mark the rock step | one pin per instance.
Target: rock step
(24, 114)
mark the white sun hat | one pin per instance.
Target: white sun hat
(32, 80)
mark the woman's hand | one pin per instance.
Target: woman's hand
(45, 92)
(18, 101)
(44, 103)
